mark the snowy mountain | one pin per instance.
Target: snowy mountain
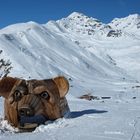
(130, 23)
(98, 59)
(81, 24)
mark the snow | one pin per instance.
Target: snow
(94, 63)
(131, 23)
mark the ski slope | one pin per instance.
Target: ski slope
(98, 59)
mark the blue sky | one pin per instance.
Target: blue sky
(16, 11)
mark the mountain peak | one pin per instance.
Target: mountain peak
(130, 22)
(134, 16)
(19, 27)
(76, 15)
(80, 23)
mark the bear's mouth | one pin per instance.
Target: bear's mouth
(28, 119)
(31, 122)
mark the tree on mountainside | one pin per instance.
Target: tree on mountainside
(5, 66)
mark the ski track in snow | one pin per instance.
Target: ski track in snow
(78, 48)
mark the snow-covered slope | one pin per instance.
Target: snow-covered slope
(97, 58)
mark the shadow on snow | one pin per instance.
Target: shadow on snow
(76, 114)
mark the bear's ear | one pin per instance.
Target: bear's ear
(6, 85)
(62, 84)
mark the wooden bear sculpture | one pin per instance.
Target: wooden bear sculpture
(29, 103)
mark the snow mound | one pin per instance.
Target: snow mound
(6, 129)
(59, 123)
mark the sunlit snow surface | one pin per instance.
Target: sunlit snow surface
(79, 48)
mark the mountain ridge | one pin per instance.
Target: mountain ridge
(77, 18)
(84, 46)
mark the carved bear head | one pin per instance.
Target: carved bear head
(29, 103)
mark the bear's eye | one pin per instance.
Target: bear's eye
(17, 95)
(45, 95)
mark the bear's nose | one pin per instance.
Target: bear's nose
(26, 111)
